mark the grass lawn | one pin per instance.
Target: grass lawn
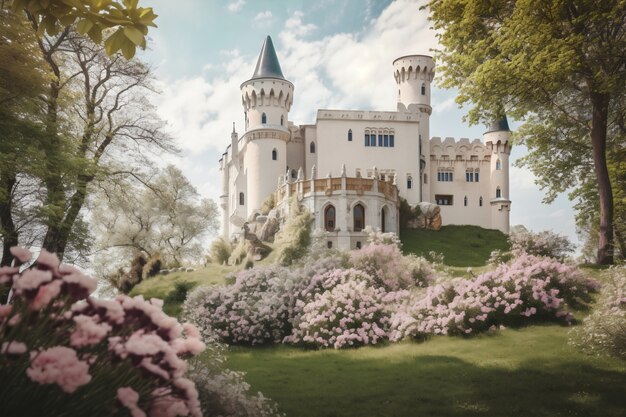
(526, 372)
(460, 245)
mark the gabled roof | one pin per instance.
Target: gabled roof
(268, 66)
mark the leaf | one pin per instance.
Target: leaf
(84, 26)
(96, 34)
(128, 49)
(67, 19)
(114, 42)
(131, 4)
(133, 34)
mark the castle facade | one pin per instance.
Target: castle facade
(351, 167)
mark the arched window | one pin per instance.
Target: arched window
(480, 201)
(358, 214)
(263, 118)
(312, 147)
(329, 218)
(349, 135)
(241, 199)
(465, 201)
(282, 120)
(274, 155)
(245, 119)
(294, 174)
(423, 89)
(476, 175)
(383, 220)
(498, 164)
(498, 192)
(409, 182)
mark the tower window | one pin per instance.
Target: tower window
(498, 164)
(465, 201)
(350, 135)
(423, 89)
(498, 192)
(312, 147)
(480, 201)
(391, 140)
(358, 214)
(274, 155)
(383, 220)
(282, 120)
(329, 219)
(241, 199)
(409, 183)
(263, 118)
(294, 174)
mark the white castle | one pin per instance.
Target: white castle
(351, 167)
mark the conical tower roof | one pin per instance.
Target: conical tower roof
(499, 125)
(268, 66)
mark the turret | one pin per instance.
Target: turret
(498, 142)
(266, 99)
(234, 143)
(413, 74)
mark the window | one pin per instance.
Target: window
(245, 119)
(274, 155)
(409, 182)
(425, 178)
(294, 174)
(241, 199)
(423, 89)
(380, 139)
(465, 201)
(367, 139)
(329, 244)
(480, 201)
(444, 176)
(476, 176)
(498, 192)
(329, 219)
(383, 220)
(312, 147)
(358, 214)
(263, 118)
(282, 120)
(498, 164)
(350, 135)
(386, 140)
(358, 244)
(471, 175)
(443, 200)
(391, 144)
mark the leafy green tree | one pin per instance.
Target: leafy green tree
(559, 61)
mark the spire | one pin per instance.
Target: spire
(233, 127)
(268, 66)
(499, 125)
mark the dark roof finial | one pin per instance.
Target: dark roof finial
(268, 66)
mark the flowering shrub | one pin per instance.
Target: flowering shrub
(378, 237)
(83, 356)
(529, 286)
(604, 331)
(545, 243)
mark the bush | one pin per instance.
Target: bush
(86, 356)
(545, 243)
(152, 267)
(294, 238)
(268, 205)
(220, 251)
(604, 331)
(179, 293)
(238, 254)
(375, 236)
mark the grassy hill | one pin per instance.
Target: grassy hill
(460, 245)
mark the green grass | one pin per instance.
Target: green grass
(460, 245)
(526, 372)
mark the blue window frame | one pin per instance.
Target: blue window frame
(386, 140)
(367, 140)
(391, 144)
(380, 140)
(350, 135)
(263, 118)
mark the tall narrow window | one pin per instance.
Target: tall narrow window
(241, 199)
(383, 220)
(350, 135)
(294, 174)
(423, 89)
(476, 176)
(312, 147)
(409, 182)
(380, 139)
(386, 140)
(391, 141)
(465, 201)
(329, 218)
(367, 139)
(358, 214)
(480, 201)
(245, 119)
(498, 164)
(274, 155)
(425, 178)
(282, 120)
(263, 118)
(498, 192)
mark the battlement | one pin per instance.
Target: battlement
(325, 114)
(461, 150)
(414, 67)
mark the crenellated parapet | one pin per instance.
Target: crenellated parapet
(452, 151)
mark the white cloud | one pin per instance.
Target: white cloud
(263, 19)
(295, 25)
(235, 6)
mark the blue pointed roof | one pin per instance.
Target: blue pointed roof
(499, 125)
(268, 66)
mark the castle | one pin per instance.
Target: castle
(351, 167)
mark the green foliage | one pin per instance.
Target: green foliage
(238, 253)
(268, 204)
(460, 245)
(180, 291)
(220, 251)
(294, 238)
(152, 267)
(407, 213)
(92, 18)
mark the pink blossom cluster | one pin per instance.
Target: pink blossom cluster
(66, 341)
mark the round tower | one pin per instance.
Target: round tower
(266, 99)
(414, 74)
(498, 142)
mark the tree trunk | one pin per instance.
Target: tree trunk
(600, 109)
(9, 234)
(619, 237)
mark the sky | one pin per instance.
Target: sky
(337, 53)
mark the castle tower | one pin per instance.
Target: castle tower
(266, 99)
(414, 75)
(498, 142)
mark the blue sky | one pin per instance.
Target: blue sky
(338, 54)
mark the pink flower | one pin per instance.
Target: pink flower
(31, 279)
(48, 259)
(23, 255)
(59, 365)
(6, 273)
(88, 331)
(87, 284)
(5, 310)
(145, 344)
(13, 348)
(46, 294)
(129, 398)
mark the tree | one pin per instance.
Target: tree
(92, 18)
(559, 61)
(165, 215)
